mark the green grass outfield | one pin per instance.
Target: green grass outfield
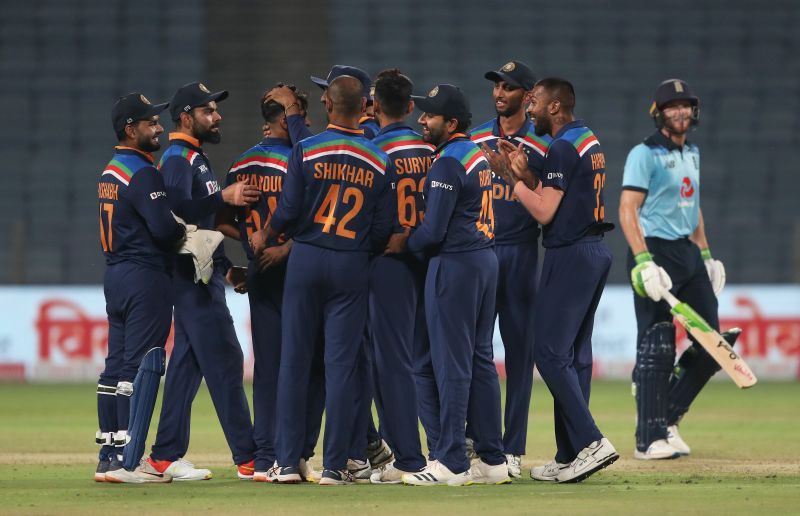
(746, 459)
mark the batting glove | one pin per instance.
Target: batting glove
(715, 270)
(648, 279)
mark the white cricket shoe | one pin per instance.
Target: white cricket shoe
(143, 474)
(379, 454)
(514, 463)
(360, 470)
(657, 450)
(180, 470)
(270, 475)
(308, 472)
(548, 472)
(483, 473)
(598, 455)
(437, 474)
(388, 474)
(677, 442)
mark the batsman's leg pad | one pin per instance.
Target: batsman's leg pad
(107, 416)
(143, 401)
(694, 369)
(655, 356)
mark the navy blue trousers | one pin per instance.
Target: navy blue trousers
(325, 293)
(516, 293)
(460, 305)
(139, 309)
(205, 347)
(572, 282)
(396, 286)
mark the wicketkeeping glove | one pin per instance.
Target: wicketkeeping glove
(648, 279)
(715, 270)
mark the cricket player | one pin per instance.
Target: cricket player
(568, 203)
(516, 234)
(264, 165)
(368, 449)
(205, 341)
(337, 200)
(458, 233)
(663, 224)
(397, 332)
(137, 234)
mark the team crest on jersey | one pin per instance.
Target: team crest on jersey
(508, 67)
(203, 88)
(144, 99)
(687, 190)
(434, 91)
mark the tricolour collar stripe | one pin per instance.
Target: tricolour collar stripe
(339, 150)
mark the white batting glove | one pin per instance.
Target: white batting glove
(715, 270)
(648, 279)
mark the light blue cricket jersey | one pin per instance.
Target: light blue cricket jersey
(670, 176)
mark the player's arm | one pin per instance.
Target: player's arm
(698, 236)
(384, 220)
(714, 268)
(543, 202)
(290, 203)
(178, 175)
(298, 130)
(147, 193)
(444, 185)
(226, 216)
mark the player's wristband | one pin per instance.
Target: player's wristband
(290, 106)
(642, 257)
(705, 253)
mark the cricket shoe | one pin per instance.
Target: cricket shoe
(308, 472)
(102, 468)
(143, 474)
(388, 474)
(658, 450)
(674, 438)
(483, 473)
(332, 477)
(360, 470)
(288, 475)
(437, 474)
(270, 475)
(246, 470)
(514, 463)
(598, 455)
(548, 472)
(379, 454)
(180, 470)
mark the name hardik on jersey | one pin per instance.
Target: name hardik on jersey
(576, 165)
(669, 175)
(513, 223)
(459, 216)
(411, 157)
(336, 193)
(264, 166)
(135, 221)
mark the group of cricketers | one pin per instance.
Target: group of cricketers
(380, 254)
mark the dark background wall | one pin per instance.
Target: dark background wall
(62, 63)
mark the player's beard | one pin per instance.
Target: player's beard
(146, 144)
(542, 125)
(434, 136)
(208, 135)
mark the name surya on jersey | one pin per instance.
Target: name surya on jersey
(344, 172)
(413, 165)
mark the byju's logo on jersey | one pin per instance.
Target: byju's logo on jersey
(687, 190)
(212, 187)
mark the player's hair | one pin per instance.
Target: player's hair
(463, 123)
(561, 90)
(271, 110)
(121, 135)
(393, 91)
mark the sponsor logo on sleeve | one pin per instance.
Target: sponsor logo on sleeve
(555, 175)
(439, 184)
(156, 195)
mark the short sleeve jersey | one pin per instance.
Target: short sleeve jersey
(669, 175)
(575, 164)
(513, 223)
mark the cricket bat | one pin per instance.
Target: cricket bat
(713, 342)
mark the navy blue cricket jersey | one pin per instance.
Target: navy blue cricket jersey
(264, 166)
(513, 223)
(135, 222)
(576, 165)
(192, 189)
(459, 216)
(411, 157)
(336, 193)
